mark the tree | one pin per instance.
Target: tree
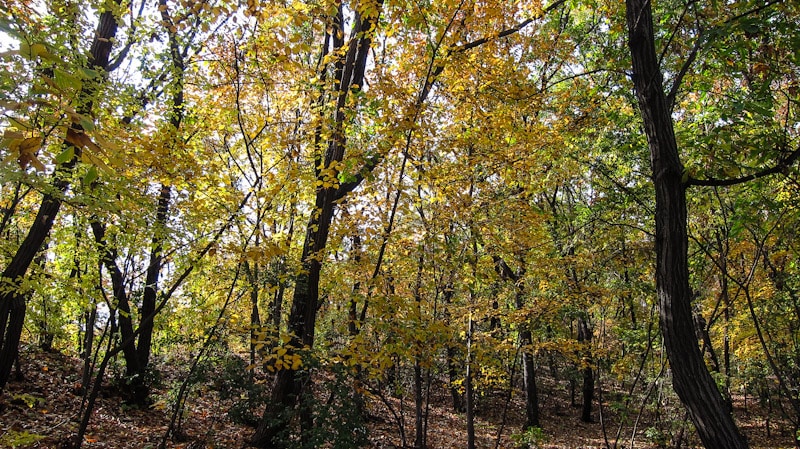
(137, 353)
(12, 296)
(347, 63)
(692, 381)
(468, 179)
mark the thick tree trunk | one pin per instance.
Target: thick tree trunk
(12, 302)
(12, 313)
(160, 229)
(691, 379)
(288, 385)
(529, 382)
(287, 388)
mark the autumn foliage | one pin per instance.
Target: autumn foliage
(330, 214)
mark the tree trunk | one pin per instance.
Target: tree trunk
(160, 229)
(88, 349)
(12, 313)
(691, 379)
(288, 387)
(452, 351)
(726, 301)
(469, 393)
(419, 431)
(585, 336)
(152, 277)
(529, 382)
(419, 434)
(45, 335)
(526, 341)
(12, 302)
(252, 274)
(133, 369)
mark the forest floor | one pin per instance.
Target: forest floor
(41, 411)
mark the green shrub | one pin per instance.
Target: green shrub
(337, 411)
(14, 439)
(532, 437)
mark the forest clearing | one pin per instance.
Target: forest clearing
(399, 223)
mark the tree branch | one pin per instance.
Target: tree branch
(433, 73)
(507, 32)
(780, 167)
(702, 38)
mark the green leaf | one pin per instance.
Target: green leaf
(90, 176)
(65, 80)
(761, 108)
(89, 73)
(86, 123)
(14, 439)
(66, 155)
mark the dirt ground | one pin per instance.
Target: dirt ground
(41, 411)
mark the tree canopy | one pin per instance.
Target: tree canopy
(407, 198)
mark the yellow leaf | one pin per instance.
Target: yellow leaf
(106, 143)
(30, 144)
(90, 158)
(38, 50)
(27, 153)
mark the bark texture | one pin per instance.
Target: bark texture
(691, 379)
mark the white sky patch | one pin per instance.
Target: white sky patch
(7, 42)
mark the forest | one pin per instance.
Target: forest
(399, 223)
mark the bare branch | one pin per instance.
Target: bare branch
(782, 165)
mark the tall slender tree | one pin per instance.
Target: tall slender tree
(349, 64)
(12, 296)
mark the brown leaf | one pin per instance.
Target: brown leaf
(77, 138)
